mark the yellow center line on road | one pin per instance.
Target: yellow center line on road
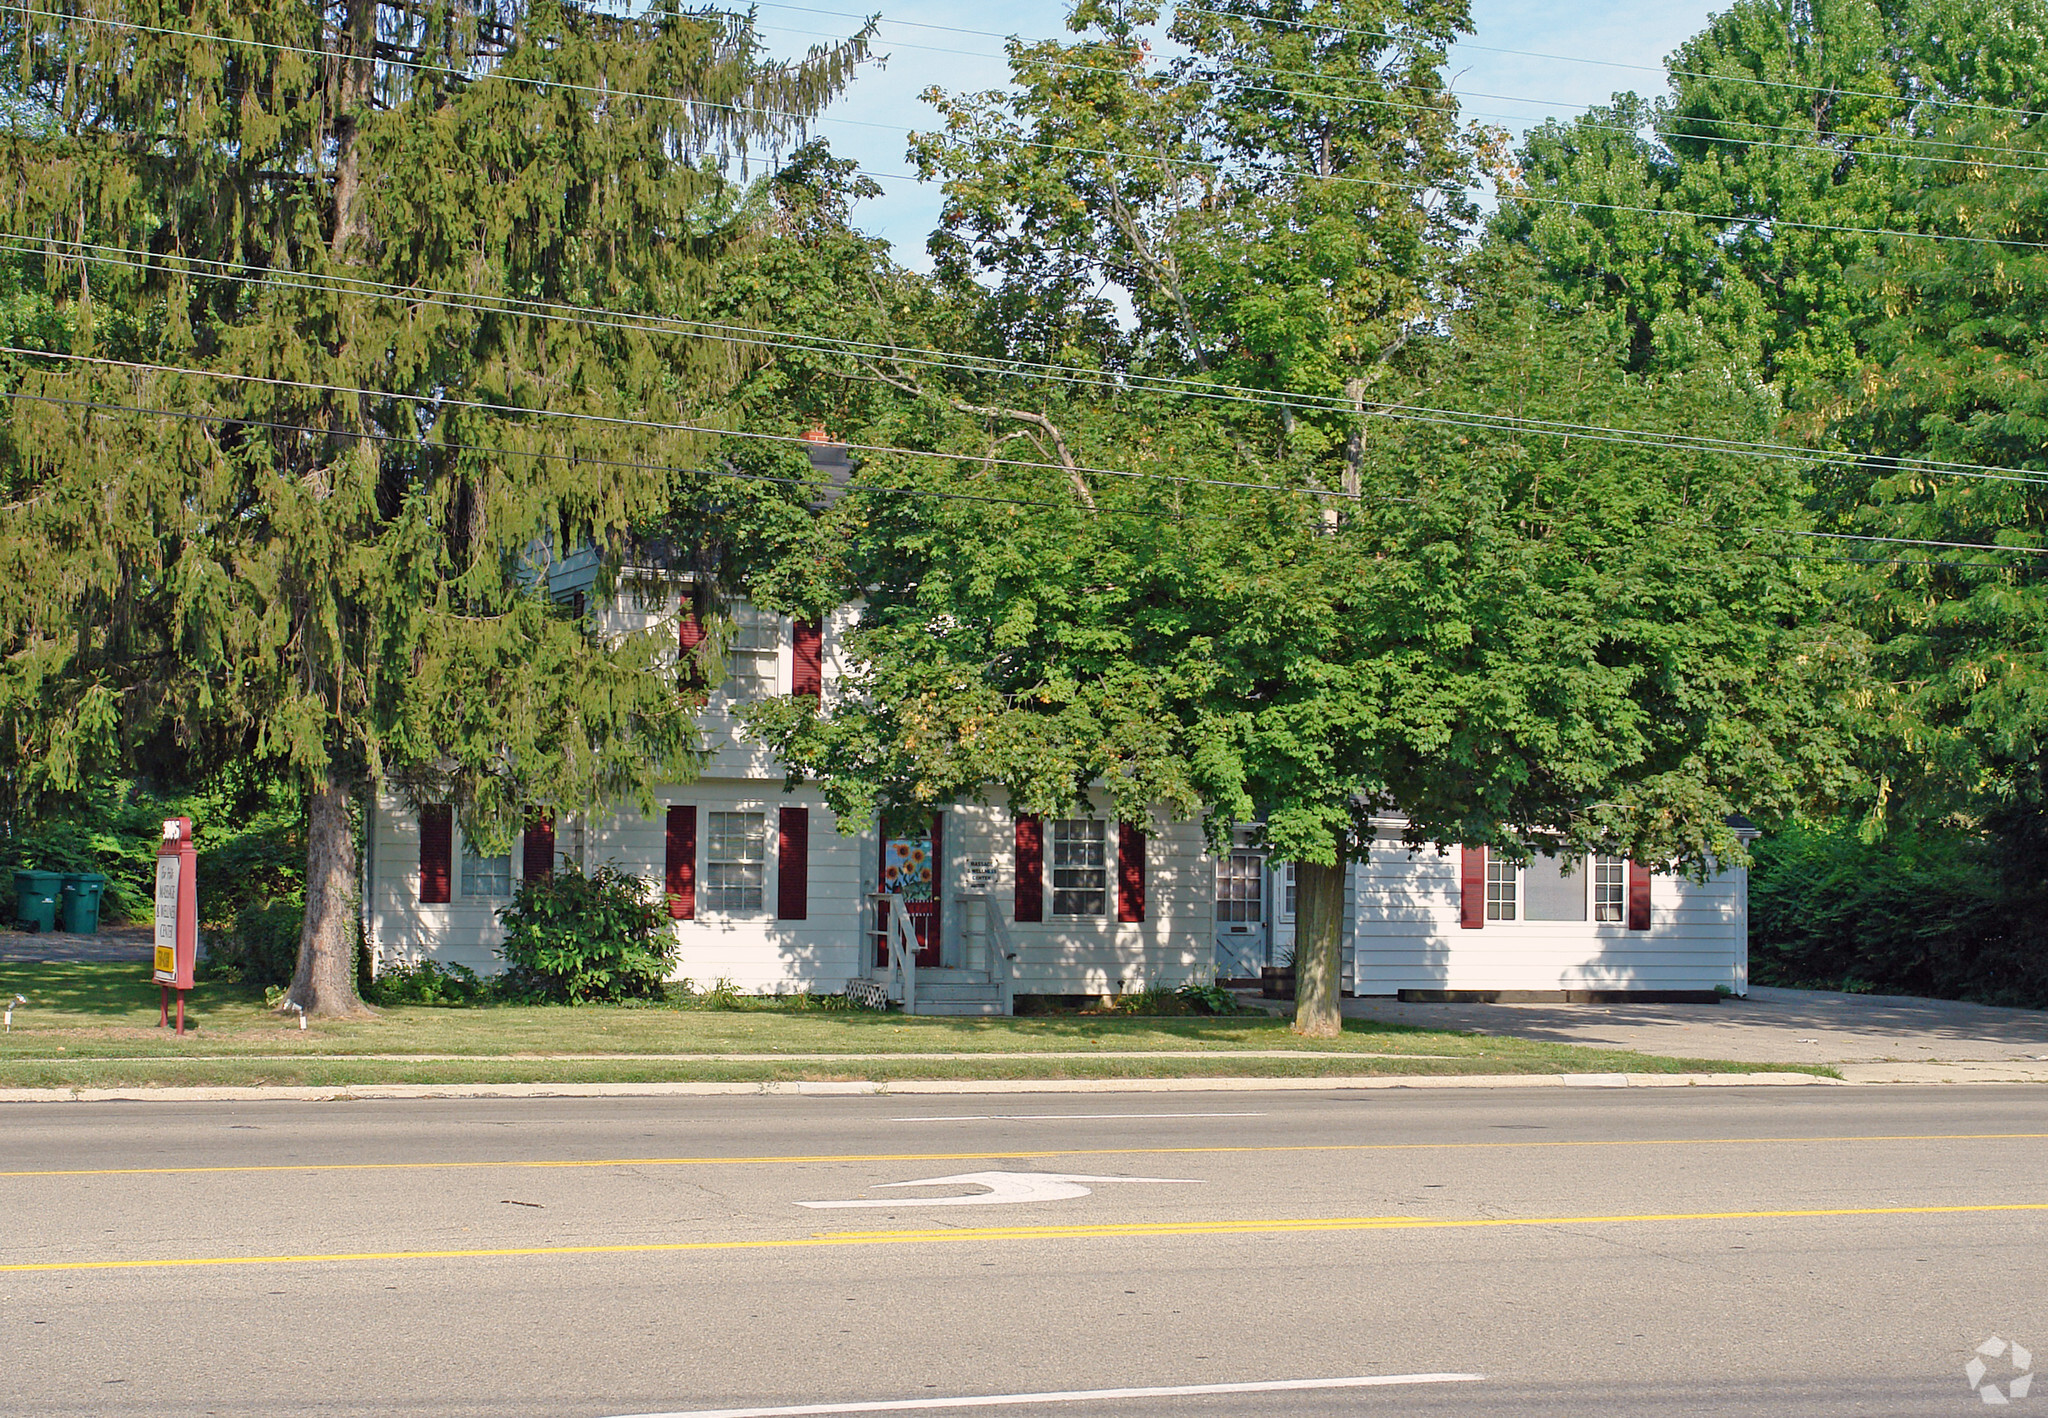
(1016, 1152)
(1134, 1230)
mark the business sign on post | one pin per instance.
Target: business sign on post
(177, 915)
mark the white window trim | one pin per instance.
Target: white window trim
(1109, 872)
(769, 862)
(460, 865)
(1493, 864)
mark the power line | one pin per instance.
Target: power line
(1645, 68)
(1189, 164)
(501, 410)
(725, 474)
(1382, 100)
(1051, 373)
(658, 426)
(913, 493)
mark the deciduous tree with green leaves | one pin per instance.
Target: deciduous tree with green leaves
(336, 395)
(1249, 578)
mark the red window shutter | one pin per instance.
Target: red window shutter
(538, 852)
(681, 863)
(1472, 887)
(689, 636)
(437, 852)
(1638, 896)
(1030, 903)
(807, 660)
(793, 865)
(1130, 872)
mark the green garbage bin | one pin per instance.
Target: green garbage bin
(35, 899)
(79, 902)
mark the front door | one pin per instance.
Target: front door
(1240, 915)
(910, 868)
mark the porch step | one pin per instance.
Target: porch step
(961, 995)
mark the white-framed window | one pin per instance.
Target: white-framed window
(755, 631)
(735, 862)
(1553, 890)
(1080, 867)
(485, 877)
(1292, 889)
(1240, 887)
(1500, 888)
(1610, 890)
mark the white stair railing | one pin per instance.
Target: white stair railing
(998, 953)
(900, 936)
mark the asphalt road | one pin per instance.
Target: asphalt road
(1725, 1251)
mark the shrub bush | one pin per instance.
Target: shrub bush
(261, 948)
(424, 982)
(1917, 913)
(572, 938)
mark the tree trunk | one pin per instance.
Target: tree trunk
(1318, 948)
(324, 984)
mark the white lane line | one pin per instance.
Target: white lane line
(1046, 1117)
(993, 1400)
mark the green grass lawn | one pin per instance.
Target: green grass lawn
(93, 1024)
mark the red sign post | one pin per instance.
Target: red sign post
(177, 916)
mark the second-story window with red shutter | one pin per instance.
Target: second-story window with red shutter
(807, 660)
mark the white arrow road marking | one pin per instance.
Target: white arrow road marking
(994, 1400)
(1003, 1188)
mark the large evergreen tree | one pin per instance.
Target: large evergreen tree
(329, 257)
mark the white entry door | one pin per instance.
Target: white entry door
(1240, 915)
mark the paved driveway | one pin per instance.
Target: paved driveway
(1879, 1036)
(112, 943)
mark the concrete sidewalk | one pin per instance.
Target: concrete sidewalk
(1771, 1026)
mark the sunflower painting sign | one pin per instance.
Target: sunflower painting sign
(907, 868)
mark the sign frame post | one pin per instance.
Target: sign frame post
(176, 953)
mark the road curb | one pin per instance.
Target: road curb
(900, 1087)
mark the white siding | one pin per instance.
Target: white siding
(1408, 936)
(1171, 946)
(755, 950)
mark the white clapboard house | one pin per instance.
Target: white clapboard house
(1464, 922)
(765, 890)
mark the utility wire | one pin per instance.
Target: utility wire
(1059, 374)
(1220, 169)
(912, 493)
(579, 459)
(659, 426)
(1907, 99)
(1835, 154)
(503, 410)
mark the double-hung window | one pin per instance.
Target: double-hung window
(755, 631)
(1500, 888)
(1610, 890)
(485, 876)
(1080, 869)
(735, 862)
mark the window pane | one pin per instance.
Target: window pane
(1293, 892)
(1551, 891)
(1080, 874)
(1240, 880)
(1610, 889)
(485, 876)
(1500, 889)
(735, 861)
(755, 631)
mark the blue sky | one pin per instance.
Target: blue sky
(924, 46)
